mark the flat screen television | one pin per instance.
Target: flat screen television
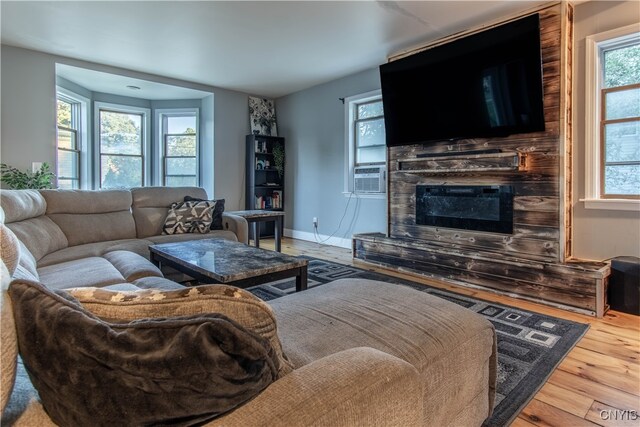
(488, 84)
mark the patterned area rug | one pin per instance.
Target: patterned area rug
(530, 345)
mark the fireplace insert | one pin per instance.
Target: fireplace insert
(473, 207)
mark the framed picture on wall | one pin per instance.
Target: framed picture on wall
(262, 116)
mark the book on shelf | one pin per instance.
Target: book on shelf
(273, 201)
(276, 200)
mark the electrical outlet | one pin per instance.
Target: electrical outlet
(315, 222)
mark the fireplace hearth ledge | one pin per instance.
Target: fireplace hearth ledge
(575, 285)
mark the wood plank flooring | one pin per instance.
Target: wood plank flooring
(597, 381)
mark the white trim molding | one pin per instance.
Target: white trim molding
(612, 204)
(310, 237)
(593, 83)
(85, 141)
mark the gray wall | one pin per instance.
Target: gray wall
(28, 118)
(597, 234)
(313, 123)
(28, 108)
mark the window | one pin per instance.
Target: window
(68, 141)
(365, 134)
(180, 149)
(613, 118)
(122, 146)
(620, 120)
(368, 128)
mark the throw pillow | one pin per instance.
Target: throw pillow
(237, 304)
(216, 224)
(189, 217)
(166, 371)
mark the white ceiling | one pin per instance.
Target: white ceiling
(97, 81)
(263, 48)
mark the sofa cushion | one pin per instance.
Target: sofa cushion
(9, 249)
(237, 304)
(27, 266)
(10, 252)
(189, 217)
(216, 224)
(183, 370)
(153, 282)
(132, 266)
(40, 235)
(138, 246)
(151, 204)
(19, 205)
(91, 216)
(86, 201)
(449, 345)
(91, 271)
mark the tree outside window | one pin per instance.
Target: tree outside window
(121, 149)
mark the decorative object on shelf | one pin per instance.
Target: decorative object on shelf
(16, 179)
(261, 147)
(259, 164)
(278, 158)
(262, 115)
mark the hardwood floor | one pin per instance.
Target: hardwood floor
(594, 384)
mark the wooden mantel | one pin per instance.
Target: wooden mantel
(461, 162)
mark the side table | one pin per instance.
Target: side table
(254, 217)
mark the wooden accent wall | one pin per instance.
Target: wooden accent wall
(541, 192)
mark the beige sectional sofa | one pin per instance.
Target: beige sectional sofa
(75, 238)
(363, 352)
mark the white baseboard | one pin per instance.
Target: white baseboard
(326, 240)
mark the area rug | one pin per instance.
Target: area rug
(530, 345)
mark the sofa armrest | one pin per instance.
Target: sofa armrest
(238, 225)
(356, 387)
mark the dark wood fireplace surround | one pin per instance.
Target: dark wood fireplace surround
(534, 262)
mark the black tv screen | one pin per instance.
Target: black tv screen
(488, 84)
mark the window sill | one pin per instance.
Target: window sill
(612, 204)
(381, 196)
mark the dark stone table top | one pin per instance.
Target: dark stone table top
(226, 261)
(257, 213)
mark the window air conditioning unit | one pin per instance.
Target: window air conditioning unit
(369, 179)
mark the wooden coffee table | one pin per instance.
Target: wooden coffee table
(232, 263)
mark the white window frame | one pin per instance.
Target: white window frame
(350, 104)
(146, 138)
(84, 143)
(593, 85)
(160, 114)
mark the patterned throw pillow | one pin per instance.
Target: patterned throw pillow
(216, 224)
(189, 217)
(163, 371)
(237, 304)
